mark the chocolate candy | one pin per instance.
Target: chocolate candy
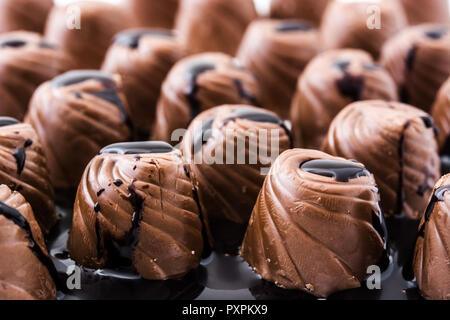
(135, 208)
(422, 11)
(407, 57)
(27, 15)
(153, 13)
(75, 115)
(396, 142)
(277, 51)
(198, 83)
(26, 271)
(441, 115)
(432, 246)
(329, 206)
(330, 82)
(309, 10)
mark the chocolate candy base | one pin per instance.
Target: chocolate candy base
(223, 276)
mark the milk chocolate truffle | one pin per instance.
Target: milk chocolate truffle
(422, 11)
(441, 116)
(143, 57)
(227, 148)
(75, 115)
(432, 251)
(135, 207)
(198, 83)
(309, 10)
(29, 15)
(26, 61)
(154, 13)
(418, 59)
(329, 83)
(396, 142)
(214, 25)
(26, 271)
(316, 225)
(277, 51)
(24, 168)
(355, 24)
(85, 29)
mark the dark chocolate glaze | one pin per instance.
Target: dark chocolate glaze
(371, 66)
(410, 58)
(400, 191)
(342, 65)
(18, 219)
(13, 44)
(351, 86)
(437, 196)
(99, 192)
(8, 121)
(131, 38)
(429, 124)
(293, 25)
(202, 136)
(144, 147)
(20, 155)
(78, 76)
(436, 33)
(118, 182)
(245, 94)
(192, 74)
(341, 171)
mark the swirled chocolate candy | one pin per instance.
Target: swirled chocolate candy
(396, 142)
(198, 83)
(316, 225)
(75, 115)
(29, 15)
(441, 116)
(85, 29)
(418, 59)
(135, 207)
(330, 82)
(153, 13)
(277, 51)
(24, 168)
(214, 25)
(309, 10)
(362, 25)
(227, 148)
(26, 61)
(422, 11)
(26, 271)
(143, 57)
(432, 251)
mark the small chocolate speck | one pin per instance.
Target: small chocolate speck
(118, 182)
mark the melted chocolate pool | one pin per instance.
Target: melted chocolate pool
(342, 171)
(144, 147)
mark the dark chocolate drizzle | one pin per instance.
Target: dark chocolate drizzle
(342, 64)
(341, 171)
(400, 191)
(437, 196)
(131, 38)
(20, 155)
(118, 182)
(202, 136)
(144, 147)
(293, 25)
(245, 94)
(351, 86)
(192, 74)
(16, 43)
(429, 124)
(15, 216)
(410, 58)
(436, 34)
(8, 121)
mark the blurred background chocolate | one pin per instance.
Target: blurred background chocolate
(422, 11)
(24, 168)
(26, 271)
(214, 25)
(75, 115)
(441, 116)
(432, 250)
(309, 10)
(198, 83)
(135, 208)
(418, 59)
(143, 57)
(84, 30)
(29, 15)
(346, 24)
(153, 13)
(330, 206)
(227, 149)
(26, 61)
(396, 142)
(277, 51)
(330, 82)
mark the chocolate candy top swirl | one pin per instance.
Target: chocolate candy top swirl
(135, 208)
(329, 205)
(75, 115)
